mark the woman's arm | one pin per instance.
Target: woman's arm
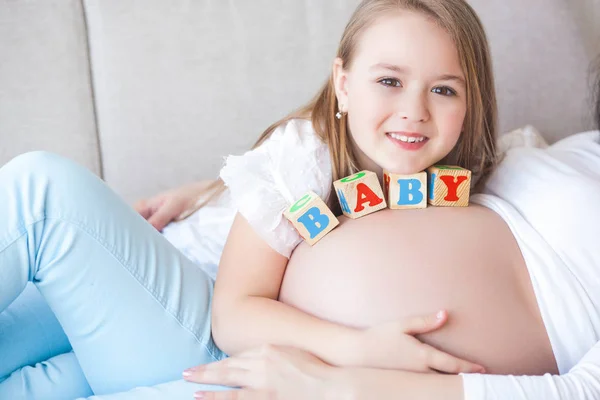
(173, 204)
(368, 383)
(582, 382)
(286, 374)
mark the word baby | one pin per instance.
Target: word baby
(361, 194)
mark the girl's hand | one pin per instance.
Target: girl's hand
(394, 346)
(269, 373)
(170, 205)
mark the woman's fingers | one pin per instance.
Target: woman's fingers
(233, 371)
(444, 362)
(162, 216)
(265, 373)
(148, 207)
(142, 208)
(418, 325)
(221, 375)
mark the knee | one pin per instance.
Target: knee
(40, 163)
(38, 159)
(38, 168)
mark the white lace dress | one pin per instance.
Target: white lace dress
(261, 184)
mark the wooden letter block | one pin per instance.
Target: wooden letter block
(405, 191)
(360, 194)
(449, 186)
(311, 217)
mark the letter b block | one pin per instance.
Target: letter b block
(449, 186)
(360, 194)
(311, 217)
(405, 191)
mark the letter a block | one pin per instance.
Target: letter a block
(311, 217)
(405, 191)
(360, 194)
(449, 186)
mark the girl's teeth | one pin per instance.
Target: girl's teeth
(406, 138)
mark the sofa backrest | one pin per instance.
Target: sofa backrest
(153, 95)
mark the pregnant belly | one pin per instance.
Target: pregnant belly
(395, 264)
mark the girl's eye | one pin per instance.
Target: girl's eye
(390, 82)
(444, 91)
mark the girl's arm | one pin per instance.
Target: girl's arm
(171, 205)
(246, 312)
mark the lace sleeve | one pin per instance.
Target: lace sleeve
(265, 181)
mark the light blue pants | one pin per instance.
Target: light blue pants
(134, 309)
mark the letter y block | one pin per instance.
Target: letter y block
(449, 186)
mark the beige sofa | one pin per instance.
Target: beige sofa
(153, 94)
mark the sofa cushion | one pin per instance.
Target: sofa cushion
(46, 98)
(180, 84)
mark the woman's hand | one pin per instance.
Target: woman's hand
(394, 346)
(170, 205)
(284, 373)
(269, 373)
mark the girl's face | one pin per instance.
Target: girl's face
(405, 94)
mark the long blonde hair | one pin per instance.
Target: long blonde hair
(475, 149)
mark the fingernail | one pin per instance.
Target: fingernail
(440, 315)
(198, 395)
(188, 372)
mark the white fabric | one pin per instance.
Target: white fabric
(267, 180)
(581, 383)
(261, 184)
(527, 136)
(550, 199)
(201, 236)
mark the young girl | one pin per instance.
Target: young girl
(571, 164)
(411, 86)
(287, 373)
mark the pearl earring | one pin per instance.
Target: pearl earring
(339, 114)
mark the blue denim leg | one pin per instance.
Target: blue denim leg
(59, 378)
(29, 333)
(135, 310)
(35, 353)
